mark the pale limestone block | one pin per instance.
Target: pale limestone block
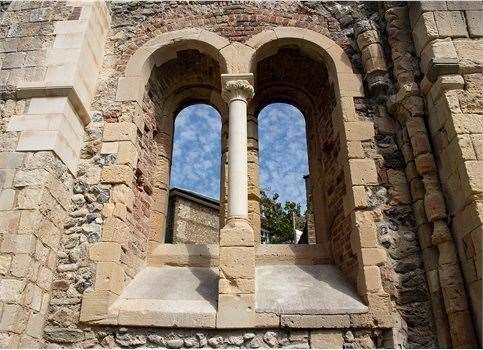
(451, 23)
(364, 234)
(267, 320)
(123, 194)
(474, 20)
(477, 140)
(14, 318)
(237, 262)
(21, 264)
(157, 225)
(239, 234)
(355, 199)
(349, 85)
(361, 172)
(198, 255)
(345, 109)
(470, 54)
(109, 277)
(120, 211)
(17, 244)
(326, 339)
(123, 131)
(369, 280)
(473, 174)
(115, 230)
(29, 198)
(464, 5)
(57, 57)
(236, 310)
(424, 31)
(35, 325)
(11, 160)
(5, 261)
(6, 178)
(109, 147)
(11, 290)
(95, 305)
(49, 234)
(7, 199)
(237, 57)
(116, 174)
(315, 321)
(359, 131)
(260, 39)
(127, 154)
(439, 49)
(372, 256)
(236, 286)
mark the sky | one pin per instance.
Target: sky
(282, 151)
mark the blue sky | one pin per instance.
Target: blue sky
(282, 146)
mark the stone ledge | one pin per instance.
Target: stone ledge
(30, 90)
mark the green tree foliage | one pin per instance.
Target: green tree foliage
(278, 220)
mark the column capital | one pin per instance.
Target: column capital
(237, 86)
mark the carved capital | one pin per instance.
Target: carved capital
(237, 86)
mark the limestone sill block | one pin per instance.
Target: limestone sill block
(207, 255)
(169, 297)
(305, 290)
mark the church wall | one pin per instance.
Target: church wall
(54, 223)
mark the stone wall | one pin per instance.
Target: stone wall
(192, 219)
(67, 227)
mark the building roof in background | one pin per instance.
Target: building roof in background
(195, 197)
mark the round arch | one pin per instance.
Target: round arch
(161, 49)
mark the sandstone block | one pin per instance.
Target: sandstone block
(14, 318)
(95, 305)
(469, 54)
(110, 147)
(357, 199)
(127, 154)
(123, 131)
(29, 198)
(315, 321)
(373, 256)
(236, 310)
(11, 290)
(18, 244)
(473, 174)
(109, 277)
(326, 339)
(361, 172)
(355, 150)
(424, 31)
(7, 199)
(451, 23)
(369, 280)
(359, 131)
(364, 234)
(21, 265)
(116, 174)
(236, 235)
(6, 178)
(236, 286)
(5, 261)
(237, 262)
(425, 164)
(123, 194)
(105, 251)
(438, 49)
(474, 19)
(115, 230)
(267, 320)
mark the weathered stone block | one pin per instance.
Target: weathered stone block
(236, 286)
(237, 262)
(451, 23)
(7, 199)
(367, 38)
(361, 172)
(237, 234)
(326, 339)
(474, 19)
(123, 194)
(424, 31)
(116, 174)
(127, 154)
(109, 277)
(236, 310)
(123, 131)
(315, 321)
(105, 251)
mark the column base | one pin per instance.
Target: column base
(237, 233)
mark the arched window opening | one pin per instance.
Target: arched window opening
(193, 205)
(285, 209)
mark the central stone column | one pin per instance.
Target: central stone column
(236, 295)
